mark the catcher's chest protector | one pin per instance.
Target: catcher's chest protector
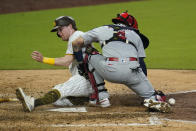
(119, 34)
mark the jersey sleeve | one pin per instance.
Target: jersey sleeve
(97, 35)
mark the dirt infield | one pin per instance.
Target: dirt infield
(126, 112)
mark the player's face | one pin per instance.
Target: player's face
(64, 32)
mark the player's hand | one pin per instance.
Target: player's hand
(37, 56)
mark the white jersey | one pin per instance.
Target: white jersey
(73, 66)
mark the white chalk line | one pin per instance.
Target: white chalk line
(152, 122)
(170, 93)
(182, 92)
(183, 121)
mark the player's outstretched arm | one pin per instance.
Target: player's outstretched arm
(64, 61)
(61, 61)
(37, 56)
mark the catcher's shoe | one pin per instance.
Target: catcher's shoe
(157, 105)
(102, 103)
(160, 96)
(27, 101)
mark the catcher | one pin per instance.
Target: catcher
(121, 47)
(132, 22)
(78, 85)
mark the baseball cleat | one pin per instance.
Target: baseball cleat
(27, 101)
(157, 105)
(102, 103)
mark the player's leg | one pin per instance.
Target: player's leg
(29, 103)
(132, 76)
(76, 86)
(102, 91)
(139, 83)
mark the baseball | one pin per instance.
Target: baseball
(172, 101)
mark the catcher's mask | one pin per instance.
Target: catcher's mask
(63, 21)
(126, 19)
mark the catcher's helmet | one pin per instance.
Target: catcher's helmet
(63, 21)
(126, 19)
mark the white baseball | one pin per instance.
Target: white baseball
(172, 101)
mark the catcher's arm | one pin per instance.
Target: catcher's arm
(78, 44)
(8, 99)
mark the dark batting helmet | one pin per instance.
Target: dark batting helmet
(126, 19)
(63, 21)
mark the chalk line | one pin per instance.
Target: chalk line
(69, 109)
(152, 122)
(181, 92)
(183, 121)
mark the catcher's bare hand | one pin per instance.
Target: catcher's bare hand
(37, 56)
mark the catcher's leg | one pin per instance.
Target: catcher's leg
(102, 91)
(144, 89)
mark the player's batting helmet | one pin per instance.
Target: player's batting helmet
(63, 21)
(126, 19)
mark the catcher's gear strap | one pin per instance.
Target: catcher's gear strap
(102, 90)
(50, 61)
(91, 50)
(101, 84)
(81, 67)
(82, 71)
(119, 35)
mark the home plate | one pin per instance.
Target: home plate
(76, 109)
